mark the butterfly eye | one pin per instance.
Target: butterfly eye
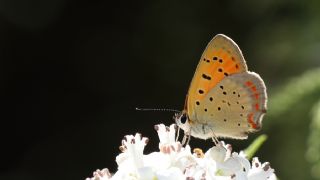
(183, 118)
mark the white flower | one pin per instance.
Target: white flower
(173, 161)
(100, 175)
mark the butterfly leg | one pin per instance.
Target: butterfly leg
(215, 138)
(186, 138)
(178, 132)
(189, 137)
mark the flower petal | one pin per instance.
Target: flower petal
(172, 173)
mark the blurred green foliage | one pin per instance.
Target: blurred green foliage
(294, 127)
(313, 149)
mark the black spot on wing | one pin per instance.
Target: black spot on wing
(207, 77)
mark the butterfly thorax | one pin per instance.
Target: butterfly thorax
(191, 127)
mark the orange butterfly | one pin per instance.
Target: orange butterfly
(224, 98)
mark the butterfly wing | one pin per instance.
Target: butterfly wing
(234, 107)
(222, 57)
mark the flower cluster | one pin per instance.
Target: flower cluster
(173, 161)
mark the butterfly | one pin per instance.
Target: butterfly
(224, 98)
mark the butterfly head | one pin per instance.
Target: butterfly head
(182, 120)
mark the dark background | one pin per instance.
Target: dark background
(72, 73)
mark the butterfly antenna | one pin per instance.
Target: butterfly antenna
(157, 109)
